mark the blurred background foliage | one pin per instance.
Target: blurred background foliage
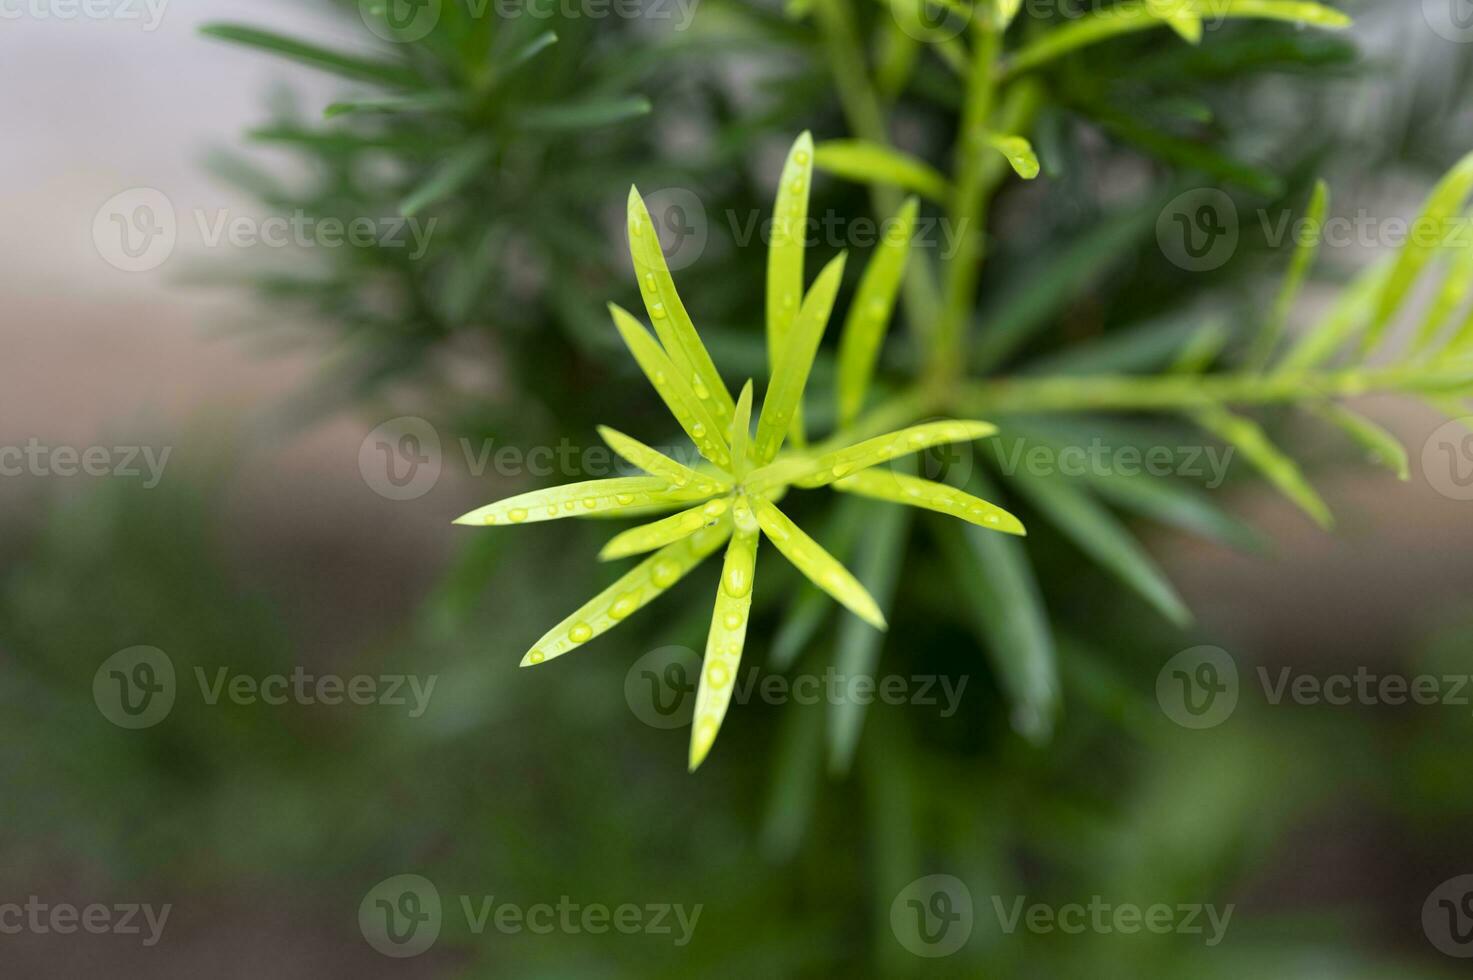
(1326, 827)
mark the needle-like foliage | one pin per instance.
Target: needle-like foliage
(733, 499)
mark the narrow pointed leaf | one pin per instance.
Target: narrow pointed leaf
(741, 433)
(999, 593)
(1430, 232)
(780, 405)
(672, 323)
(884, 484)
(1457, 284)
(1305, 251)
(577, 499)
(861, 456)
(785, 250)
(632, 592)
(1018, 152)
(880, 555)
(785, 299)
(869, 314)
(667, 530)
(724, 643)
(1381, 446)
(1279, 469)
(1134, 15)
(821, 568)
(1349, 314)
(1096, 532)
(656, 463)
(356, 67)
(873, 163)
(526, 53)
(796, 778)
(588, 114)
(1188, 25)
(457, 170)
(806, 613)
(690, 411)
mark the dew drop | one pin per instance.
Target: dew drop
(657, 310)
(624, 498)
(490, 519)
(737, 581)
(665, 574)
(717, 675)
(634, 229)
(990, 519)
(536, 657)
(552, 510)
(697, 429)
(517, 515)
(788, 301)
(590, 502)
(733, 620)
(842, 470)
(796, 186)
(696, 385)
(580, 633)
(624, 605)
(649, 282)
(568, 506)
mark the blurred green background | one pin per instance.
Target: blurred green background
(272, 544)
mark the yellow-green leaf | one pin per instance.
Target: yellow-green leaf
(869, 314)
(929, 495)
(1135, 15)
(656, 463)
(1429, 233)
(667, 530)
(724, 643)
(1336, 327)
(785, 249)
(672, 323)
(1018, 152)
(871, 452)
(822, 568)
(690, 411)
(578, 499)
(1279, 469)
(866, 162)
(631, 592)
(741, 433)
(1305, 251)
(780, 405)
(1382, 447)
(1457, 283)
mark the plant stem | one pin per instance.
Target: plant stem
(865, 113)
(968, 210)
(1167, 392)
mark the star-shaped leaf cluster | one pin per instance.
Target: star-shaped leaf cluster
(731, 498)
